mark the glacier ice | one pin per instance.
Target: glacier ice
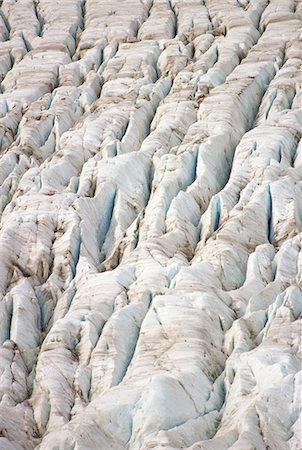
(151, 224)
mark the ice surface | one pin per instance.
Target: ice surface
(151, 225)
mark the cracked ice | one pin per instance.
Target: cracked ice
(151, 224)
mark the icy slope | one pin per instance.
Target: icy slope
(151, 224)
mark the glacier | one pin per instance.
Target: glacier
(151, 224)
